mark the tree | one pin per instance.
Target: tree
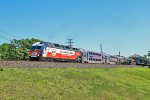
(17, 49)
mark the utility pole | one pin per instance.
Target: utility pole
(70, 42)
(101, 48)
(119, 58)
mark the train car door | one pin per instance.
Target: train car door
(84, 57)
(87, 56)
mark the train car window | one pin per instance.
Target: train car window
(38, 47)
(76, 49)
(67, 47)
(82, 54)
(57, 45)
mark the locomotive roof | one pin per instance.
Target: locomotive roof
(49, 44)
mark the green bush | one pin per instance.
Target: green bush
(16, 49)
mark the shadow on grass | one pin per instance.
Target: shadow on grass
(1, 69)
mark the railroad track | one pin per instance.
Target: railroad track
(41, 64)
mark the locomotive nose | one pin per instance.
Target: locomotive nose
(34, 53)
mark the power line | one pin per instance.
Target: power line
(14, 25)
(12, 35)
(5, 38)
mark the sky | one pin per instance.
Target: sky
(119, 25)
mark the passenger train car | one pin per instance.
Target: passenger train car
(113, 59)
(91, 56)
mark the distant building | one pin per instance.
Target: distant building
(134, 59)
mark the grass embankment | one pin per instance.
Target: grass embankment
(73, 83)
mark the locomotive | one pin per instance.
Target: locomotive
(47, 51)
(54, 52)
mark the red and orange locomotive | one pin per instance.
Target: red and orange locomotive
(54, 52)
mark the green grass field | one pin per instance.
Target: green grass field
(75, 84)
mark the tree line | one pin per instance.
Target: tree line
(16, 49)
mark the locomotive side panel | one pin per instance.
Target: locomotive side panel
(62, 54)
(45, 51)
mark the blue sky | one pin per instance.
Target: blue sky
(119, 25)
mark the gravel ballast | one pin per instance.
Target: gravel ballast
(36, 64)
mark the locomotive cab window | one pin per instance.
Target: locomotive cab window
(35, 47)
(38, 47)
